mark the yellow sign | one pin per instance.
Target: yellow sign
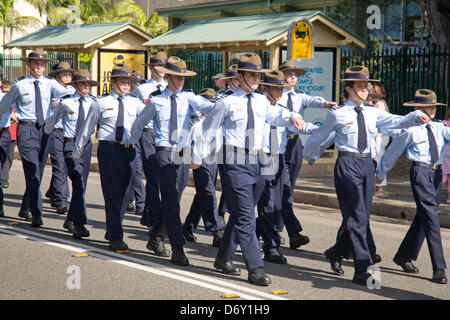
(301, 40)
(135, 60)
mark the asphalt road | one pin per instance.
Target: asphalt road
(40, 263)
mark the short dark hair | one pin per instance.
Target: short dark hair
(347, 84)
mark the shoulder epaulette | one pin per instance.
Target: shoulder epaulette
(336, 107)
(20, 79)
(437, 120)
(369, 105)
(132, 95)
(104, 95)
(155, 93)
(66, 96)
(299, 91)
(222, 95)
(260, 92)
(47, 77)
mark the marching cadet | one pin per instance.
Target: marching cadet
(72, 112)
(31, 96)
(356, 126)
(114, 113)
(423, 144)
(204, 203)
(242, 116)
(297, 101)
(152, 208)
(5, 141)
(58, 191)
(170, 110)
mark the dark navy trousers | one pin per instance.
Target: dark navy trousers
(354, 180)
(173, 178)
(59, 187)
(5, 141)
(138, 190)
(116, 165)
(33, 146)
(240, 183)
(78, 172)
(205, 202)
(426, 185)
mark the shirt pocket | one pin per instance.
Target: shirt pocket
(72, 115)
(131, 111)
(421, 147)
(26, 98)
(237, 113)
(350, 132)
(109, 113)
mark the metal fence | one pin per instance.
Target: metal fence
(403, 71)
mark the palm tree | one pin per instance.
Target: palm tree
(11, 20)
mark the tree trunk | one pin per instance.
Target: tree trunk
(436, 14)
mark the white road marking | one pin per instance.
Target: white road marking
(132, 262)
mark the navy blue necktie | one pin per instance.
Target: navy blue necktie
(119, 122)
(289, 102)
(362, 135)
(38, 103)
(173, 138)
(80, 119)
(250, 131)
(433, 146)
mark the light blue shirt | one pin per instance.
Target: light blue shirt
(415, 141)
(67, 114)
(144, 90)
(230, 114)
(344, 122)
(104, 112)
(6, 118)
(158, 109)
(21, 97)
(54, 105)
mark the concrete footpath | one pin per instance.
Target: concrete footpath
(315, 186)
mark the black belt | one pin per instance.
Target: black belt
(58, 130)
(148, 130)
(69, 139)
(353, 154)
(174, 149)
(292, 136)
(30, 123)
(115, 143)
(426, 165)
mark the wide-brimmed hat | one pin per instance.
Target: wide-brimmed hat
(138, 74)
(231, 72)
(424, 97)
(218, 76)
(61, 67)
(37, 54)
(250, 62)
(290, 66)
(176, 66)
(122, 71)
(274, 78)
(209, 94)
(357, 73)
(158, 59)
(83, 75)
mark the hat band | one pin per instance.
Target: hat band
(285, 68)
(421, 99)
(274, 81)
(118, 72)
(356, 75)
(172, 67)
(80, 78)
(231, 74)
(36, 55)
(249, 65)
(153, 60)
(208, 96)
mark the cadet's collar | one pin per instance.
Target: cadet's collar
(168, 93)
(241, 92)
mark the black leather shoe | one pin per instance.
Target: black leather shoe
(68, 225)
(296, 240)
(335, 261)
(48, 194)
(25, 215)
(118, 245)
(361, 278)
(36, 222)
(258, 277)
(407, 265)
(131, 208)
(80, 232)
(217, 238)
(275, 257)
(178, 257)
(143, 221)
(439, 276)
(2, 212)
(376, 258)
(282, 239)
(188, 234)
(5, 184)
(139, 211)
(156, 244)
(227, 267)
(62, 208)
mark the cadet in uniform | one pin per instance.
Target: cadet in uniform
(170, 110)
(72, 112)
(152, 209)
(58, 192)
(423, 144)
(114, 113)
(356, 126)
(242, 116)
(31, 96)
(5, 141)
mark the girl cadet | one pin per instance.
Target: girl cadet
(242, 116)
(423, 144)
(72, 111)
(356, 126)
(114, 113)
(170, 110)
